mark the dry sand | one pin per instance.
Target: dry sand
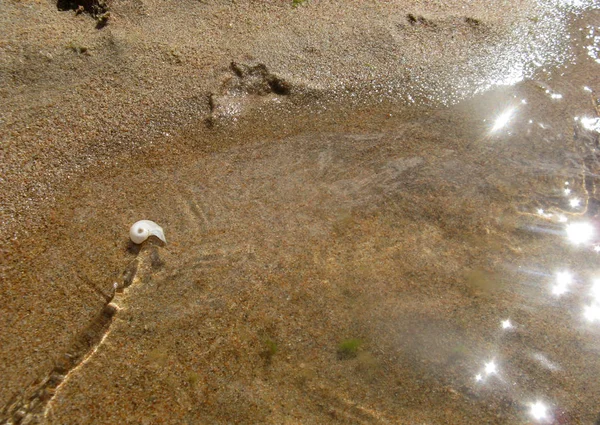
(331, 258)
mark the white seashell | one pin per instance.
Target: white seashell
(143, 229)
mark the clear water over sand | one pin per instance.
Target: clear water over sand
(360, 262)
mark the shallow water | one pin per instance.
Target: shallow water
(368, 264)
(417, 235)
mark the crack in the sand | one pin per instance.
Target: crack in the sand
(35, 406)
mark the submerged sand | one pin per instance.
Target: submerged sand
(331, 258)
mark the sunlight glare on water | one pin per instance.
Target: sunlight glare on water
(539, 411)
(580, 232)
(515, 58)
(503, 119)
(592, 312)
(491, 368)
(563, 280)
(592, 124)
(594, 48)
(595, 291)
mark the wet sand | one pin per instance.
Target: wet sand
(331, 258)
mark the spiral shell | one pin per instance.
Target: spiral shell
(143, 229)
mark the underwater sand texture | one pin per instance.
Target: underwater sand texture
(74, 96)
(405, 234)
(328, 260)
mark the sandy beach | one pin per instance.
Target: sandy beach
(350, 221)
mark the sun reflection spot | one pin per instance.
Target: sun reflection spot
(591, 124)
(596, 290)
(503, 119)
(563, 280)
(559, 290)
(575, 202)
(579, 233)
(592, 312)
(538, 410)
(478, 377)
(506, 324)
(491, 368)
(542, 213)
(597, 248)
(567, 191)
